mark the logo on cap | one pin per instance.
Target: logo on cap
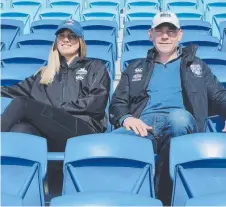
(70, 22)
(165, 15)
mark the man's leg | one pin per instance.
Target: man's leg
(24, 127)
(179, 122)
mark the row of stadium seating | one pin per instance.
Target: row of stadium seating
(102, 165)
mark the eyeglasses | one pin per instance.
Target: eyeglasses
(70, 37)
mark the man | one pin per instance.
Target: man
(167, 94)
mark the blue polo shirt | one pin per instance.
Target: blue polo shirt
(164, 88)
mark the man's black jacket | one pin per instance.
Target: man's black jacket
(81, 89)
(201, 90)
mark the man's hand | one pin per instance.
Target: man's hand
(224, 129)
(138, 126)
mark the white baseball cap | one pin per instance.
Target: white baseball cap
(165, 17)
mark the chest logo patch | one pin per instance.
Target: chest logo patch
(80, 74)
(196, 70)
(138, 70)
(137, 77)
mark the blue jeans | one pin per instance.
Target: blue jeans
(165, 126)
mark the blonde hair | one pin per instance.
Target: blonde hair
(48, 72)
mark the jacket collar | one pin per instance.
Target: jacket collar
(188, 52)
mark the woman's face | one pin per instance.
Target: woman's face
(68, 43)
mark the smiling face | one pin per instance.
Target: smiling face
(67, 43)
(165, 38)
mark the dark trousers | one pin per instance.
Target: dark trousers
(56, 125)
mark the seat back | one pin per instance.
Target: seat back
(136, 27)
(104, 199)
(23, 167)
(188, 14)
(180, 4)
(114, 164)
(140, 14)
(114, 4)
(55, 13)
(198, 168)
(130, 4)
(10, 29)
(197, 27)
(214, 124)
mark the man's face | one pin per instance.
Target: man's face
(165, 38)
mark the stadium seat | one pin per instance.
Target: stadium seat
(4, 103)
(45, 25)
(214, 124)
(205, 43)
(132, 43)
(101, 40)
(32, 6)
(115, 4)
(137, 27)
(197, 27)
(67, 5)
(106, 162)
(104, 199)
(23, 167)
(217, 63)
(10, 200)
(197, 166)
(105, 57)
(180, 4)
(56, 13)
(10, 29)
(128, 57)
(34, 41)
(130, 4)
(18, 64)
(215, 199)
(223, 35)
(16, 14)
(218, 17)
(140, 14)
(188, 13)
(101, 14)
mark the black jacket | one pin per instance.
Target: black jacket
(81, 89)
(201, 90)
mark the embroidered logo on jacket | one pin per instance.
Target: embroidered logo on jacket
(196, 69)
(137, 77)
(80, 74)
(138, 70)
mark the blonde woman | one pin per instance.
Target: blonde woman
(66, 98)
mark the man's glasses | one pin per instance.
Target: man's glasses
(70, 37)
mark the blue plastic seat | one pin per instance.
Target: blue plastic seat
(180, 4)
(128, 57)
(197, 27)
(197, 166)
(18, 64)
(205, 43)
(105, 57)
(106, 162)
(137, 27)
(45, 25)
(17, 14)
(188, 13)
(130, 4)
(115, 4)
(217, 63)
(32, 6)
(35, 40)
(132, 43)
(67, 5)
(140, 14)
(4, 103)
(23, 167)
(99, 13)
(217, 17)
(56, 13)
(10, 29)
(215, 199)
(214, 124)
(223, 35)
(10, 200)
(104, 199)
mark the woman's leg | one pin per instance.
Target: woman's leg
(24, 127)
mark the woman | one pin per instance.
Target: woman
(66, 98)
